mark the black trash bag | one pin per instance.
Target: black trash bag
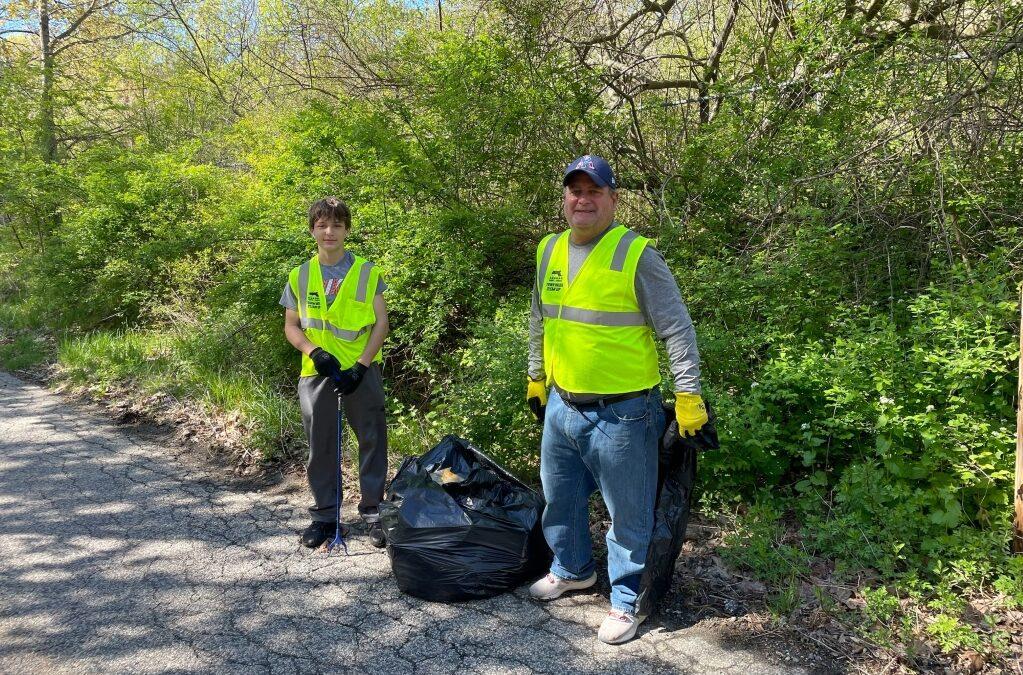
(676, 474)
(460, 527)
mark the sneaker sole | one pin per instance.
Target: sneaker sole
(576, 586)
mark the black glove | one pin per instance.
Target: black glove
(347, 381)
(326, 364)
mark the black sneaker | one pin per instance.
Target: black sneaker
(320, 531)
(376, 535)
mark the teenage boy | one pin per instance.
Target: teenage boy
(335, 314)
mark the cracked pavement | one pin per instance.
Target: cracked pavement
(116, 556)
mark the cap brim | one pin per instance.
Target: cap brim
(592, 174)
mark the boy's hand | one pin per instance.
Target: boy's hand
(347, 381)
(326, 364)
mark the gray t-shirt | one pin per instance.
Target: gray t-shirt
(332, 275)
(661, 304)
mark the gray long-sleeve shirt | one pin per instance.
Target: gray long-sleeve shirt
(661, 304)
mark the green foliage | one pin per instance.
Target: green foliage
(881, 607)
(895, 431)
(187, 364)
(134, 215)
(486, 399)
(883, 620)
(950, 633)
(848, 248)
(758, 543)
(23, 351)
(18, 314)
(1010, 581)
(783, 601)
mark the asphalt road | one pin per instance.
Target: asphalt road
(116, 555)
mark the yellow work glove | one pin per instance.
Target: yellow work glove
(690, 412)
(536, 397)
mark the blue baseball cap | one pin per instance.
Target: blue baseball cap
(595, 167)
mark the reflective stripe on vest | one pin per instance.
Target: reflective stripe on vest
(596, 338)
(339, 333)
(594, 317)
(360, 294)
(545, 260)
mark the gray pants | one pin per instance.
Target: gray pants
(364, 412)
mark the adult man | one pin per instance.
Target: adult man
(601, 291)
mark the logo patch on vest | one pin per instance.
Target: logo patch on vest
(313, 301)
(555, 282)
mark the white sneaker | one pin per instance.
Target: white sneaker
(618, 627)
(552, 586)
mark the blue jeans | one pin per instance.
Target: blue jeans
(613, 449)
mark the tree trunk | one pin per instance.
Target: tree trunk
(47, 127)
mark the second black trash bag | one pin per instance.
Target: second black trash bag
(460, 527)
(676, 475)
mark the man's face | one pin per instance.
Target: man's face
(589, 208)
(329, 234)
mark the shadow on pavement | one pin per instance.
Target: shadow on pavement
(116, 557)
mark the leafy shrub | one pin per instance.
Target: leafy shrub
(136, 214)
(485, 401)
(895, 432)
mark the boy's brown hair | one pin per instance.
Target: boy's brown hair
(331, 208)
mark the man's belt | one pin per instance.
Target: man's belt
(603, 401)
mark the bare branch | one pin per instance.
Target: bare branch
(648, 7)
(93, 7)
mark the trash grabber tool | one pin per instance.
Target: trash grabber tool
(339, 540)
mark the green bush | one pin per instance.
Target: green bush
(136, 214)
(895, 433)
(485, 401)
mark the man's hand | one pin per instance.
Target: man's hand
(326, 364)
(690, 412)
(347, 381)
(536, 397)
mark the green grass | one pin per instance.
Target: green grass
(21, 345)
(757, 543)
(193, 366)
(25, 351)
(177, 363)
(18, 315)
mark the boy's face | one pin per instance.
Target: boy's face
(329, 234)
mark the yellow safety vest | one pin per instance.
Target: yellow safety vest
(595, 338)
(343, 328)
